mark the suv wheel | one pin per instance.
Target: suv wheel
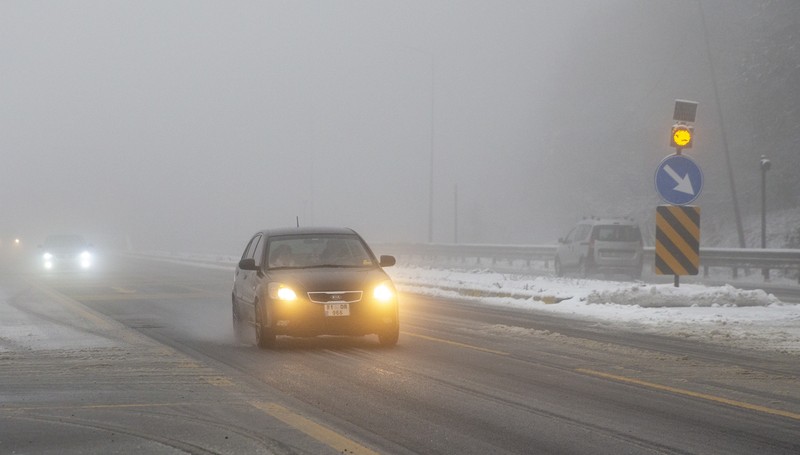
(583, 268)
(559, 268)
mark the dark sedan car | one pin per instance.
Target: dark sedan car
(313, 281)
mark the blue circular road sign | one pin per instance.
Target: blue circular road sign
(679, 180)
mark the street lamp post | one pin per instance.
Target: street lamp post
(765, 165)
(433, 136)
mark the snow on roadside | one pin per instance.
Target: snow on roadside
(718, 314)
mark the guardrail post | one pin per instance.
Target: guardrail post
(705, 271)
(735, 273)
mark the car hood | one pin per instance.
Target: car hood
(64, 250)
(329, 279)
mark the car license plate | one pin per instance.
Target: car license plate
(337, 309)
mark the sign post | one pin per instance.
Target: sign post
(678, 181)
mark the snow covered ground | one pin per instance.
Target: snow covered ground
(717, 314)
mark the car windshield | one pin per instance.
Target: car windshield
(618, 233)
(327, 250)
(64, 241)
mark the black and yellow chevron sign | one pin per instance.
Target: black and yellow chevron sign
(677, 240)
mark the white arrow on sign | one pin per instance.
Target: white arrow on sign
(684, 183)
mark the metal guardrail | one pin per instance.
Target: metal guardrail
(733, 258)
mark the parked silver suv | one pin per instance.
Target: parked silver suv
(601, 245)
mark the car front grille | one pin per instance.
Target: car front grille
(335, 297)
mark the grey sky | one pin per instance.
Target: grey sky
(191, 124)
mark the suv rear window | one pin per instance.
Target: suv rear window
(617, 233)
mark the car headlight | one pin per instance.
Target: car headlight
(86, 259)
(384, 292)
(279, 291)
(47, 256)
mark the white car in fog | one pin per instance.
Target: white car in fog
(63, 252)
(601, 245)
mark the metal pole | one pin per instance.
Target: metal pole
(739, 228)
(455, 213)
(763, 208)
(430, 187)
(765, 165)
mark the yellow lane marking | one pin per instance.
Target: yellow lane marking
(106, 324)
(689, 393)
(313, 429)
(134, 296)
(97, 406)
(219, 381)
(455, 343)
(100, 322)
(307, 426)
(196, 289)
(123, 290)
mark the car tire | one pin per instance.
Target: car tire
(265, 335)
(238, 325)
(388, 338)
(583, 268)
(558, 267)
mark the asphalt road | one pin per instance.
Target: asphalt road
(141, 358)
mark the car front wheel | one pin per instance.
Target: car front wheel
(389, 338)
(238, 325)
(265, 336)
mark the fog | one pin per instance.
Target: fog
(188, 125)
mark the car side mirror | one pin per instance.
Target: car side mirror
(561, 240)
(387, 261)
(247, 264)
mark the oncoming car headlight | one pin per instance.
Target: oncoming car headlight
(48, 261)
(384, 292)
(86, 259)
(279, 291)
